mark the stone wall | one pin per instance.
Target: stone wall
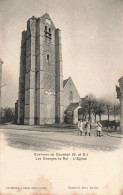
(70, 90)
(41, 79)
(21, 94)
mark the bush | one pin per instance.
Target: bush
(8, 116)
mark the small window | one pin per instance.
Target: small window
(46, 28)
(48, 57)
(50, 30)
(71, 96)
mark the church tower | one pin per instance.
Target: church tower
(41, 77)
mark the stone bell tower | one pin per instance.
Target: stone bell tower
(41, 77)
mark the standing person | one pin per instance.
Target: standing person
(99, 129)
(80, 127)
(88, 128)
(65, 117)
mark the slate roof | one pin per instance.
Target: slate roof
(46, 15)
(33, 17)
(64, 82)
(72, 106)
(120, 79)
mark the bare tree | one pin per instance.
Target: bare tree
(100, 107)
(87, 105)
(108, 106)
(115, 110)
(8, 115)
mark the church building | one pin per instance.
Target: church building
(43, 95)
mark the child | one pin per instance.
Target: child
(80, 127)
(87, 126)
(99, 129)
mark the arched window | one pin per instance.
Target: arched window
(46, 28)
(71, 96)
(50, 30)
(48, 58)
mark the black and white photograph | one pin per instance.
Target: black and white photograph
(61, 97)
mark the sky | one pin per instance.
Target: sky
(92, 42)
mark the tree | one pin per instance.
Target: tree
(8, 115)
(100, 107)
(95, 108)
(87, 105)
(108, 106)
(91, 105)
(115, 110)
(83, 111)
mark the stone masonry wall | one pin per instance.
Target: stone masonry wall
(70, 87)
(41, 79)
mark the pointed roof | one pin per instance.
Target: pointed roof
(69, 81)
(65, 81)
(33, 17)
(46, 16)
(72, 106)
(120, 79)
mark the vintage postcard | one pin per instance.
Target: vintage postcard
(61, 97)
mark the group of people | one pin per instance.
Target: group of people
(87, 127)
